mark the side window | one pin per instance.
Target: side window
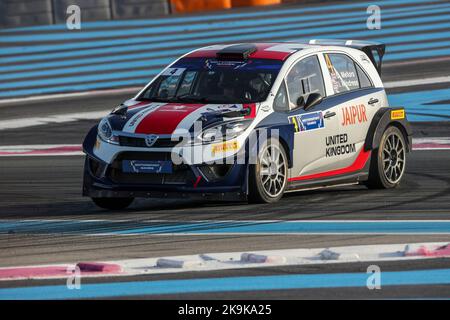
(304, 78)
(343, 72)
(364, 81)
(281, 100)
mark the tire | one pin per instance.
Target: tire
(388, 162)
(268, 181)
(112, 203)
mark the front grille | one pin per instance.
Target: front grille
(140, 142)
(132, 178)
(96, 167)
(216, 171)
(138, 155)
(182, 174)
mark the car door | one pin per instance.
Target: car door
(356, 102)
(312, 126)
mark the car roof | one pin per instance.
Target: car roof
(270, 50)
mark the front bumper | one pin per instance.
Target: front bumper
(103, 179)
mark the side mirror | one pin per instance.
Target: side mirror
(300, 102)
(313, 99)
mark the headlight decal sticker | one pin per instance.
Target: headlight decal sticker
(224, 147)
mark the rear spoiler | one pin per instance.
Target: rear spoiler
(374, 50)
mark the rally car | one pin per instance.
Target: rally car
(251, 122)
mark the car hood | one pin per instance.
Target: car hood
(165, 118)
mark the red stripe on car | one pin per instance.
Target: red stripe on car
(357, 165)
(166, 119)
(260, 53)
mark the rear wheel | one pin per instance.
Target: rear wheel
(388, 162)
(268, 177)
(113, 203)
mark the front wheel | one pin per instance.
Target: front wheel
(113, 203)
(268, 177)
(388, 162)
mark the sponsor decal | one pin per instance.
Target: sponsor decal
(142, 166)
(354, 114)
(224, 147)
(212, 63)
(397, 114)
(350, 78)
(337, 145)
(307, 121)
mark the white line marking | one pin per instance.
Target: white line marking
(59, 118)
(416, 82)
(437, 140)
(44, 154)
(41, 150)
(60, 96)
(415, 62)
(22, 148)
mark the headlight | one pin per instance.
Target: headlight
(105, 132)
(224, 131)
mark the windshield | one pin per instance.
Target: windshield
(209, 80)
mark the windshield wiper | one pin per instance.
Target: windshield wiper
(191, 97)
(152, 99)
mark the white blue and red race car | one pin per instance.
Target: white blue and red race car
(251, 121)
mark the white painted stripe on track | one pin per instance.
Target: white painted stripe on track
(41, 150)
(45, 154)
(63, 96)
(58, 118)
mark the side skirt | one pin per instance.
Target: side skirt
(346, 179)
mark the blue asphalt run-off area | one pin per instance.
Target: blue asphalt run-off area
(260, 283)
(224, 227)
